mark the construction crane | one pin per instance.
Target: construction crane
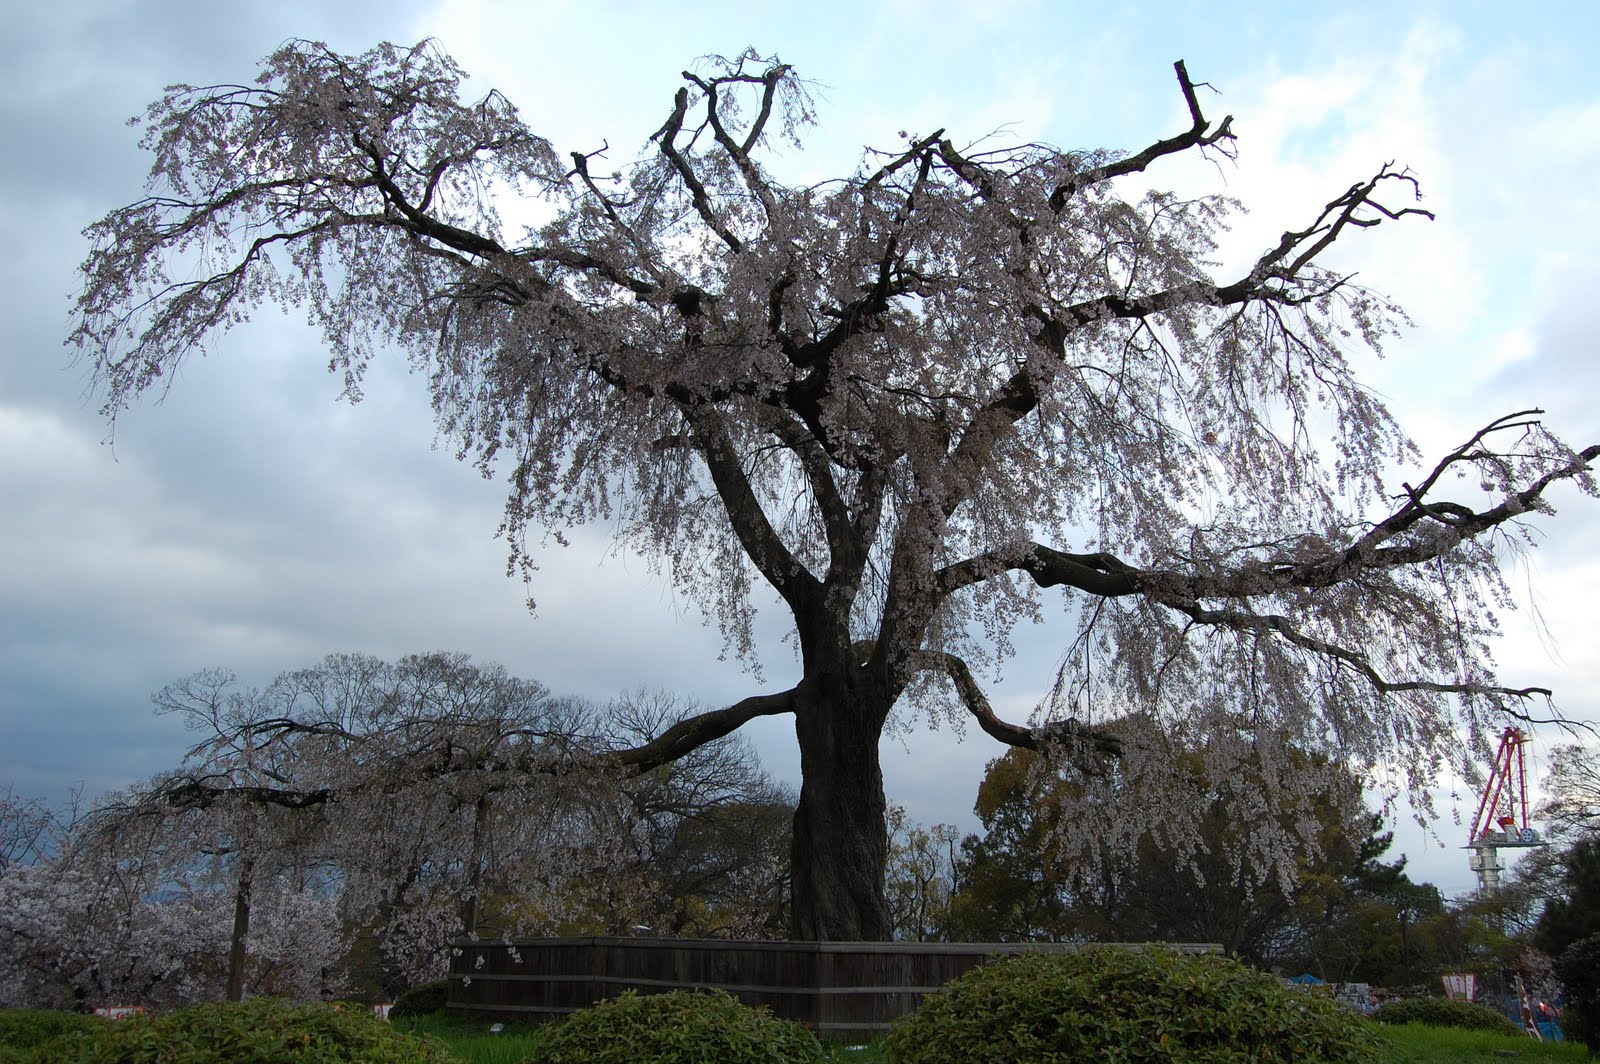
(1502, 819)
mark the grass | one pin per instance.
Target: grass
(1412, 1043)
(1407, 1044)
(472, 1041)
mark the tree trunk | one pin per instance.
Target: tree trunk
(241, 931)
(471, 904)
(841, 845)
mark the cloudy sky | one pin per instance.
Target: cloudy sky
(252, 520)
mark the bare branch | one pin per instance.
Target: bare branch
(1198, 135)
(698, 730)
(667, 135)
(750, 523)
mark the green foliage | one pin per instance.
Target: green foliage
(1441, 1012)
(261, 1031)
(422, 1000)
(1348, 916)
(1578, 968)
(1576, 913)
(680, 1027)
(1104, 1003)
(26, 1028)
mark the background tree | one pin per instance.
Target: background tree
(1356, 917)
(906, 400)
(233, 845)
(1575, 912)
(30, 831)
(336, 830)
(428, 760)
(1573, 785)
(1012, 887)
(920, 879)
(698, 846)
(1198, 877)
(142, 914)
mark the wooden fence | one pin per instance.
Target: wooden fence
(840, 989)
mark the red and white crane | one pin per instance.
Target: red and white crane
(1502, 819)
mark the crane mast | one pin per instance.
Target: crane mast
(1502, 819)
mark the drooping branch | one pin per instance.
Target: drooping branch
(392, 769)
(1079, 740)
(1381, 547)
(1240, 620)
(1271, 280)
(1097, 573)
(696, 731)
(647, 254)
(195, 792)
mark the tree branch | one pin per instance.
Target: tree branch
(1277, 624)
(749, 521)
(693, 732)
(1103, 574)
(668, 135)
(738, 153)
(1199, 134)
(1077, 738)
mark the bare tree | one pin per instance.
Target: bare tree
(436, 799)
(30, 831)
(418, 787)
(920, 878)
(709, 832)
(1573, 785)
(909, 400)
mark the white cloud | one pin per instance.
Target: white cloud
(252, 521)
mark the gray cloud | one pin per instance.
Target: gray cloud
(253, 521)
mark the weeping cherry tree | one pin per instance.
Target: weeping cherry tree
(919, 403)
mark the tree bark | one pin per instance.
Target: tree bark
(241, 930)
(471, 904)
(841, 844)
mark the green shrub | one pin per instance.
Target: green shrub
(26, 1028)
(1102, 1003)
(680, 1027)
(422, 1000)
(262, 1031)
(1579, 968)
(1441, 1012)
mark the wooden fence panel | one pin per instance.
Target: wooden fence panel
(839, 989)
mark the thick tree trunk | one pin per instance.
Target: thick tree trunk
(471, 904)
(241, 930)
(840, 842)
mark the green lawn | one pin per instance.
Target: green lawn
(474, 1044)
(1411, 1044)
(1415, 1044)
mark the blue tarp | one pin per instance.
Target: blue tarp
(1307, 978)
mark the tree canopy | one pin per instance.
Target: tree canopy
(340, 828)
(910, 401)
(1059, 860)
